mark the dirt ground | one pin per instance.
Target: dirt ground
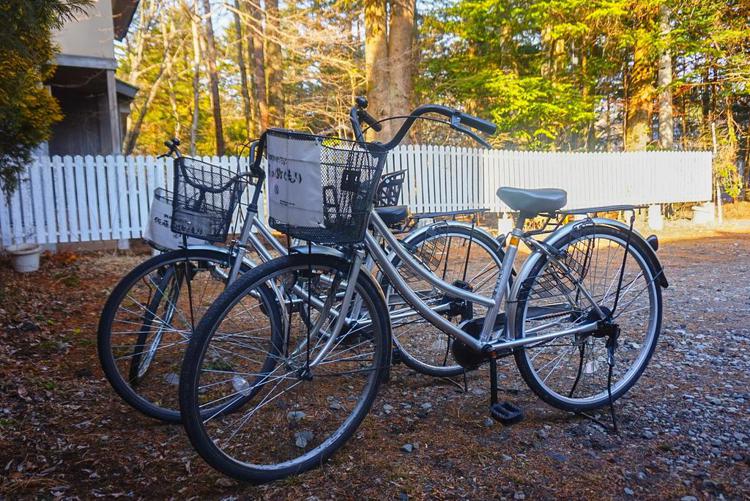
(685, 428)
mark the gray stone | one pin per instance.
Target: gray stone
(295, 416)
(335, 405)
(302, 438)
(557, 456)
(407, 448)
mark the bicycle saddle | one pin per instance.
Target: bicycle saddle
(394, 215)
(533, 202)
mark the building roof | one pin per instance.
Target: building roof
(125, 89)
(122, 15)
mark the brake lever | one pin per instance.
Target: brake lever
(456, 124)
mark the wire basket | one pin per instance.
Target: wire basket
(321, 189)
(204, 199)
(557, 280)
(389, 189)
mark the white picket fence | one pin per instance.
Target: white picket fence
(86, 198)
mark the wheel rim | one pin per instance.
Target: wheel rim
(292, 415)
(414, 336)
(555, 365)
(147, 337)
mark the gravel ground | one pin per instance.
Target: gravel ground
(684, 429)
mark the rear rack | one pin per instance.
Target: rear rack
(603, 208)
(450, 213)
(557, 219)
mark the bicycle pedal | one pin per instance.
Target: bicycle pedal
(506, 413)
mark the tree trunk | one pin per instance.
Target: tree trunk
(274, 66)
(257, 61)
(641, 93)
(165, 67)
(401, 35)
(376, 61)
(170, 82)
(136, 63)
(131, 138)
(608, 121)
(244, 90)
(683, 117)
(213, 78)
(664, 82)
(194, 18)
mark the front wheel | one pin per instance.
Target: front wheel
(572, 372)
(276, 420)
(147, 321)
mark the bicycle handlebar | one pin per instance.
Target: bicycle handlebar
(457, 121)
(364, 116)
(173, 145)
(255, 158)
(479, 124)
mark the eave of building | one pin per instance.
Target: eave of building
(125, 89)
(122, 15)
(100, 63)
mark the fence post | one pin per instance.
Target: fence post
(655, 220)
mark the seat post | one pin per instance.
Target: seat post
(503, 279)
(522, 217)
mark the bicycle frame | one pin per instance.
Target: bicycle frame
(488, 342)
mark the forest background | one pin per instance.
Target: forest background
(563, 75)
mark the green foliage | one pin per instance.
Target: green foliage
(554, 74)
(27, 110)
(525, 63)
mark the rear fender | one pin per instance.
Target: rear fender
(638, 240)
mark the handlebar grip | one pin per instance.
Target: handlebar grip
(477, 123)
(369, 120)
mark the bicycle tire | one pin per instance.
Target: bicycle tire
(123, 384)
(190, 384)
(523, 360)
(412, 357)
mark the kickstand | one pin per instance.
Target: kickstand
(504, 412)
(611, 346)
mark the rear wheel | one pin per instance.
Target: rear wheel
(280, 419)
(459, 254)
(572, 372)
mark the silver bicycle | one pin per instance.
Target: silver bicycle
(581, 318)
(149, 316)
